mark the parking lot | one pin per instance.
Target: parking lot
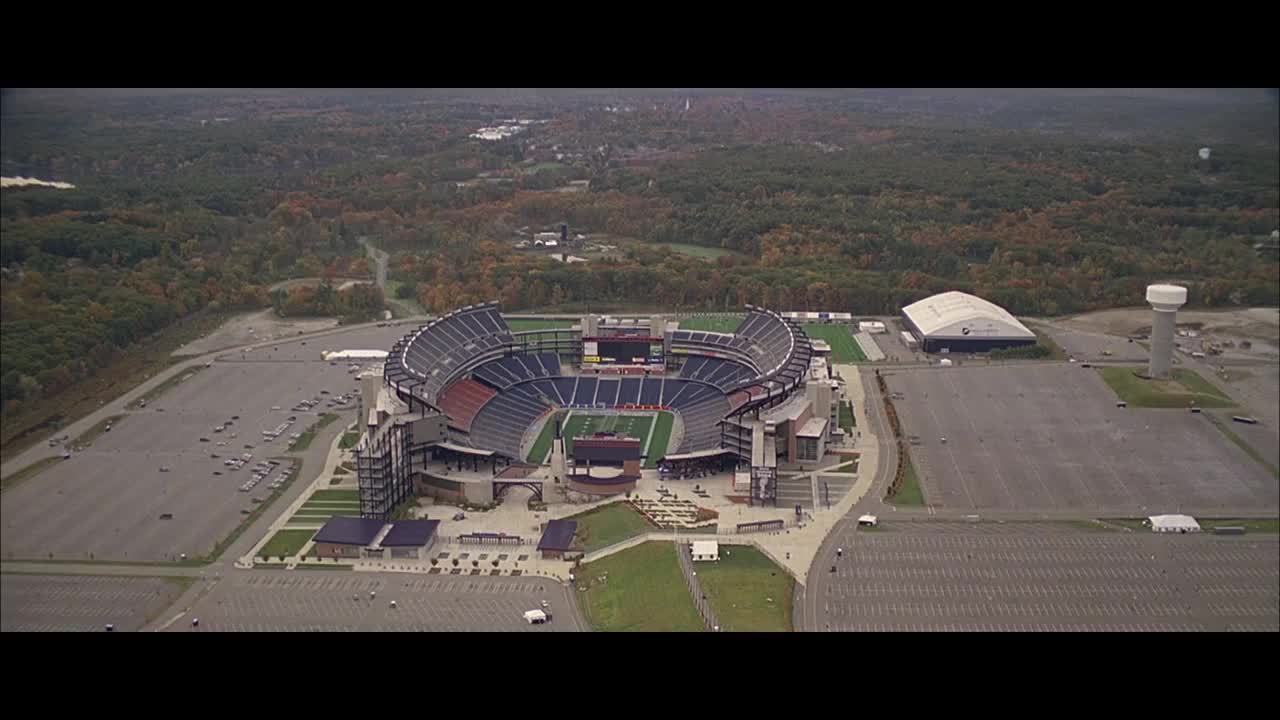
(319, 600)
(933, 576)
(1091, 345)
(56, 603)
(309, 350)
(1050, 437)
(106, 502)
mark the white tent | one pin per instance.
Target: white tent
(705, 550)
(354, 355)
(1174, 523)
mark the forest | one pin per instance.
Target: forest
(860, 201)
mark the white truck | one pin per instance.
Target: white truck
(536, 617)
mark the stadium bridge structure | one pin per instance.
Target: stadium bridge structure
(494, 385)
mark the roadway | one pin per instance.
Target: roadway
(812, 614)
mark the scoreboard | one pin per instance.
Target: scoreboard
(622, 350)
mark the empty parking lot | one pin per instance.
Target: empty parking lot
(107, 501)
(317, 600)
(53, 603)
(1050, 437)
(934, 576)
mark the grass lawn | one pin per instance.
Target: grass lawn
(304, 441)
(543, 166)
(28, 472)
(542, 446)
(846, 417)
(310, 510)
(843, 348)
(349, 440)
(747, 591)
(1256, 525)
(713, 323)
(521, 325)
(660, 439)
(644, 592)
(584, 424)
(1184, 387)
(910, 492)
(607, 525)
(285, 543)
(1243, 444)
(347, 495)
(700, 251)
(330, 504)
(401, 307)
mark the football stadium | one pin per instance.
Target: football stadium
(466, 407)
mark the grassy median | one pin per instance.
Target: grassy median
(1183, 389)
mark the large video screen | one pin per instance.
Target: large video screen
(621, 352)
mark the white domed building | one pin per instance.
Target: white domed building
(959, 322)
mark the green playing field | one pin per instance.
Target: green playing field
(636, 426)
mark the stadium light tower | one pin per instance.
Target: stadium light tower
(1165, 301)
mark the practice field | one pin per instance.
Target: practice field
(1050, 437)
(843, 347)
(712, 323)
(583, 425)
(944, 576)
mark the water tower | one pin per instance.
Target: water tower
(1165, 301)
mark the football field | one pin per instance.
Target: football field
(843, 348)
(582, 425)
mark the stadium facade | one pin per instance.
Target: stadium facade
(466, 388)
(960, 322)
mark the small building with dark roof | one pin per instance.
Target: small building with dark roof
(557, 540)
(345, 537)
(408, 539)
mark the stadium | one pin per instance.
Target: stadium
(501, 408)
